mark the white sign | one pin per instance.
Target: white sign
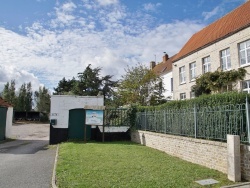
(94, 117)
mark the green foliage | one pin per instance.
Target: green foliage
(89, 83)
(140, 85)
(42, 98)
(217, 81)
(8, 93)
(64, 86)
(24, 98)
(202, 101)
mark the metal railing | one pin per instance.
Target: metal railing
(207, 122)
(116, 117)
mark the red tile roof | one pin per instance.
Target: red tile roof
(3, 103)
(164, 66)
(231, 23)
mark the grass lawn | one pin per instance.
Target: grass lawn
(125, 164)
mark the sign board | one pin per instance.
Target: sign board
(94, 117)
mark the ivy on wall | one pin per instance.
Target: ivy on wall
(218, 81)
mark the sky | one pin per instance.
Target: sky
(42, 41)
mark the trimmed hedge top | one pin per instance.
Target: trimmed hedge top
(202, 101)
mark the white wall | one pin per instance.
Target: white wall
(61, 104)
(166, 79)
(9, 119)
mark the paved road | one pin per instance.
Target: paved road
(28, 161)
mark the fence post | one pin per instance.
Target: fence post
(247, 118)
(195, 122)
(145, 120)
(165, 122)
(156, 127)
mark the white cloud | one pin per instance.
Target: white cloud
(107, 38)
(68, 7)
(219, 10)
(151, 6)
(107, 2)
(64, 15)
(8, 73)
(212, 13)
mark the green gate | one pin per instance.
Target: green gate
(77, 123)
(3, 114)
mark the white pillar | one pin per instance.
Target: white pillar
(233, 158)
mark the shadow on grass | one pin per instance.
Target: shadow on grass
(78, 141)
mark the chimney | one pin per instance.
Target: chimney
(152, 64)
(165, 58)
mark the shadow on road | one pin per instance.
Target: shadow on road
(20, 147)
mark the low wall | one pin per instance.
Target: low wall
(245, 162)
(207, 153)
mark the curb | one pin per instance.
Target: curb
(53, 181)
(238, 185)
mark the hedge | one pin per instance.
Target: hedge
(202, 101)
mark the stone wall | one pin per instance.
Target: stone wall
(207, 153)
(245, 162)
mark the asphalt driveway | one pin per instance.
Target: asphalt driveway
(28, 161)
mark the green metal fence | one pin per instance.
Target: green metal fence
(116, 117)
(208, 122)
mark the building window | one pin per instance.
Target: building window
(227, 88)
(206, 64)
(192, 95)
(244, 50)
(182, 75)
(182, 96)
(225, 59)
(192, 67)
(246, 86)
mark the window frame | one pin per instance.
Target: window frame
(192, 71)
(245, 51)
(182, 76)
(192, 94)
(183, 96)
(248, 86)
(206, 64)
(225, 59)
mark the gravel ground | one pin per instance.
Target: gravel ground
(30, 131)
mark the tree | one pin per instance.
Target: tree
(218, 82)
(42, 99)
(89, 83)
(24, 98)
(140, 85)
(8, 93)
(28, 99)
(65, 86)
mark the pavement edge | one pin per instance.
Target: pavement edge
(243, 185)
(53, 181)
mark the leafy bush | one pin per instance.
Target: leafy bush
(202, 101)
